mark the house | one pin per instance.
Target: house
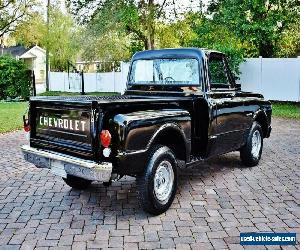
(34, 57)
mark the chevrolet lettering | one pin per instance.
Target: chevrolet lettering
(76, 125)
(181, 107)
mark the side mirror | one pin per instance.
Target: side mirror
(238, 86)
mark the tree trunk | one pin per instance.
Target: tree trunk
(266, 49)
(1, 45)
(151, 24)
(47, 47)
(146, 45)
(150, 41)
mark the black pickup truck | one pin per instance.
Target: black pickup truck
(181, 105)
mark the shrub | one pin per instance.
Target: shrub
(15, 79)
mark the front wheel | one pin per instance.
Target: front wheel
(157, 185)
(77, 182)
(251, 152)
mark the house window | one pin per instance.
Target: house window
(42, 74)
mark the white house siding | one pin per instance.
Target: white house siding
(40, 66)
(38, 57)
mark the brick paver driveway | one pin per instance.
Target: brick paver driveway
(215, 202)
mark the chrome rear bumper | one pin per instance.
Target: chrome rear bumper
(68, 164)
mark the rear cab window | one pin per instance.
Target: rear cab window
(219, 75)
(180, 72)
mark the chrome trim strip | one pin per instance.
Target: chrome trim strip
(58, 131)
(225, 133)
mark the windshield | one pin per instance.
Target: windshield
(165, 72)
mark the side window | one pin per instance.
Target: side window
(217, 73)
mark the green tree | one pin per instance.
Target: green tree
(14, 78)
(123, 27)
(174, 34)
(31, 32)
(13, 13)
(109, 46)
(211, 35)
(289, 44)
(62, 40)
(262, 23)
(135, 18)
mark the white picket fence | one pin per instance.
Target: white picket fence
(275, 78)
(93, 82)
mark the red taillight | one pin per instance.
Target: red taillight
(105, 138)
(26, 127)
(26, 124)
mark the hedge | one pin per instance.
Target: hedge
(15, 79)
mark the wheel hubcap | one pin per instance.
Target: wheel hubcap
(256, 144)
(163, 181)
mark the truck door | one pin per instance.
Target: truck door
(228, 119)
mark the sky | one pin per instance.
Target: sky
(58, 2)
(181, 5)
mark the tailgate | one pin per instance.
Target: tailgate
(62, 127)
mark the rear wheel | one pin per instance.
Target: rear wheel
(77, 182)
(251, 152)
(157, 185)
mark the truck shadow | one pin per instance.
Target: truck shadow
(120, 199)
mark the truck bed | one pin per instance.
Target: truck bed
(71, 124)
(105, 99)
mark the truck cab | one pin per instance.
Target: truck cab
(181, 105)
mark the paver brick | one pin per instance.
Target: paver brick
(149, 245)
(66, 240)
(215, 202)
(133, 239)
(216, 235)
(116, 241)
(167, 243)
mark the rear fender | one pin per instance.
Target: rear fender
(135, 133)
(261, 117)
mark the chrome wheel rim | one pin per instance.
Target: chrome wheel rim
(163, 181)
(256, 144)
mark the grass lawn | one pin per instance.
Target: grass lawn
(286, 110)
(11, 115)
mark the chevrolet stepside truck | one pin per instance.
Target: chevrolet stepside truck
(181, 106)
